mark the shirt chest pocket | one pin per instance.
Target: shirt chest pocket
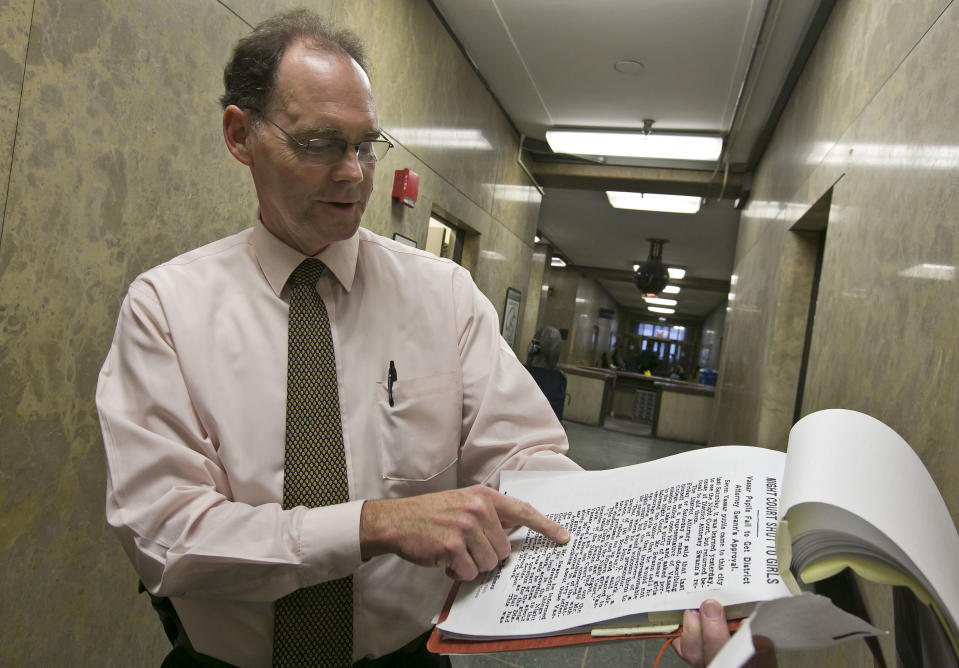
(419, 434)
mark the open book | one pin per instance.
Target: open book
(735, 523)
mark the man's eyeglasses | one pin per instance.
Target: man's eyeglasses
(328, 150)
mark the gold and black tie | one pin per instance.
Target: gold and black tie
(314, 625)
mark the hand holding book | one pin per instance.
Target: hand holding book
(736, 524)
(706, 632)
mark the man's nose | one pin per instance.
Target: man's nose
(348, 167)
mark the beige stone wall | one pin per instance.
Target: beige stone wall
(111, 161)
(873, 118)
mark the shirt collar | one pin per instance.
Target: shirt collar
(277, 260)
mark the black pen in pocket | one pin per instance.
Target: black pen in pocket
(390, 379)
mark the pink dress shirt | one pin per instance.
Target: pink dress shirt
(192, 402)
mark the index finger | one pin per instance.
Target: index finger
(513, 512)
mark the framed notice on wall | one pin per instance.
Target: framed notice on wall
(511, 315)
(404, 240)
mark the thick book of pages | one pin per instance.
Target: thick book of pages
(735, 523)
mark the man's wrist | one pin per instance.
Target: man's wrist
(375, 529)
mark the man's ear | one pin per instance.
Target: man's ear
(238, 133)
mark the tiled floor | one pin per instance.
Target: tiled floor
(618, 443)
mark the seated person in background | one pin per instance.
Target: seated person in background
(542, 354)
(648, 361)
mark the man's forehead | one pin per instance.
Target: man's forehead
(305, 59)
(330, 78)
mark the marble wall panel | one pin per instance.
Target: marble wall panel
(882, 339)
(504, 262)
(745, 342)
(560, 306)
(532, 300)
(118, 165)
(253, 12)
(14, 30)
(712, 338)
(516, 201)
(783, 357)
(860, 47)
(428, 95)
(889, 275)
(589, 334)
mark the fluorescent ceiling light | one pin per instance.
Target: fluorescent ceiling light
(635, 144)
(671, 290)
(676, 273)
(557, 262)
(654, 202)
(659, 309)
(660, 302)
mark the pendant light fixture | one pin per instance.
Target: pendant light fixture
(652, 275)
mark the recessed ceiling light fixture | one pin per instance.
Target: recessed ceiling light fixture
(658, 309)
(635, 144)
(556, 261)
(671, 289)
(659, 301)
(653, 202)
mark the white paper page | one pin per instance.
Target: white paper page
(801, 622)
(873, 473)
(510, 477)
(664, 535)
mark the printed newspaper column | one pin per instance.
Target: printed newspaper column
(704, 529)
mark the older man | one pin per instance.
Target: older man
(288, 413)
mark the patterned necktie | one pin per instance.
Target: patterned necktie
(314, 625)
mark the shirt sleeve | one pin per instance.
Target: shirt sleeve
(508, 423)
(169, 497)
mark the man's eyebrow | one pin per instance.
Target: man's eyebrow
(328, 131)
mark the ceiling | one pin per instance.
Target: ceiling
(715, 66)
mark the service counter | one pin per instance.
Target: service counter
(684, 411)
(634, 396)
(676, 410)
(589, 394)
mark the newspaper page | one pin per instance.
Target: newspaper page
(654, 537)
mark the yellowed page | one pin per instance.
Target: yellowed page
(881, 573)
(843, 464)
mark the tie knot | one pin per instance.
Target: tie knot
(308, 272)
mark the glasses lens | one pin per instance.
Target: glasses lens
(371, 151)
(325, 151)
(329, 150)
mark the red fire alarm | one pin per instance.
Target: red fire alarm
(406, 185)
